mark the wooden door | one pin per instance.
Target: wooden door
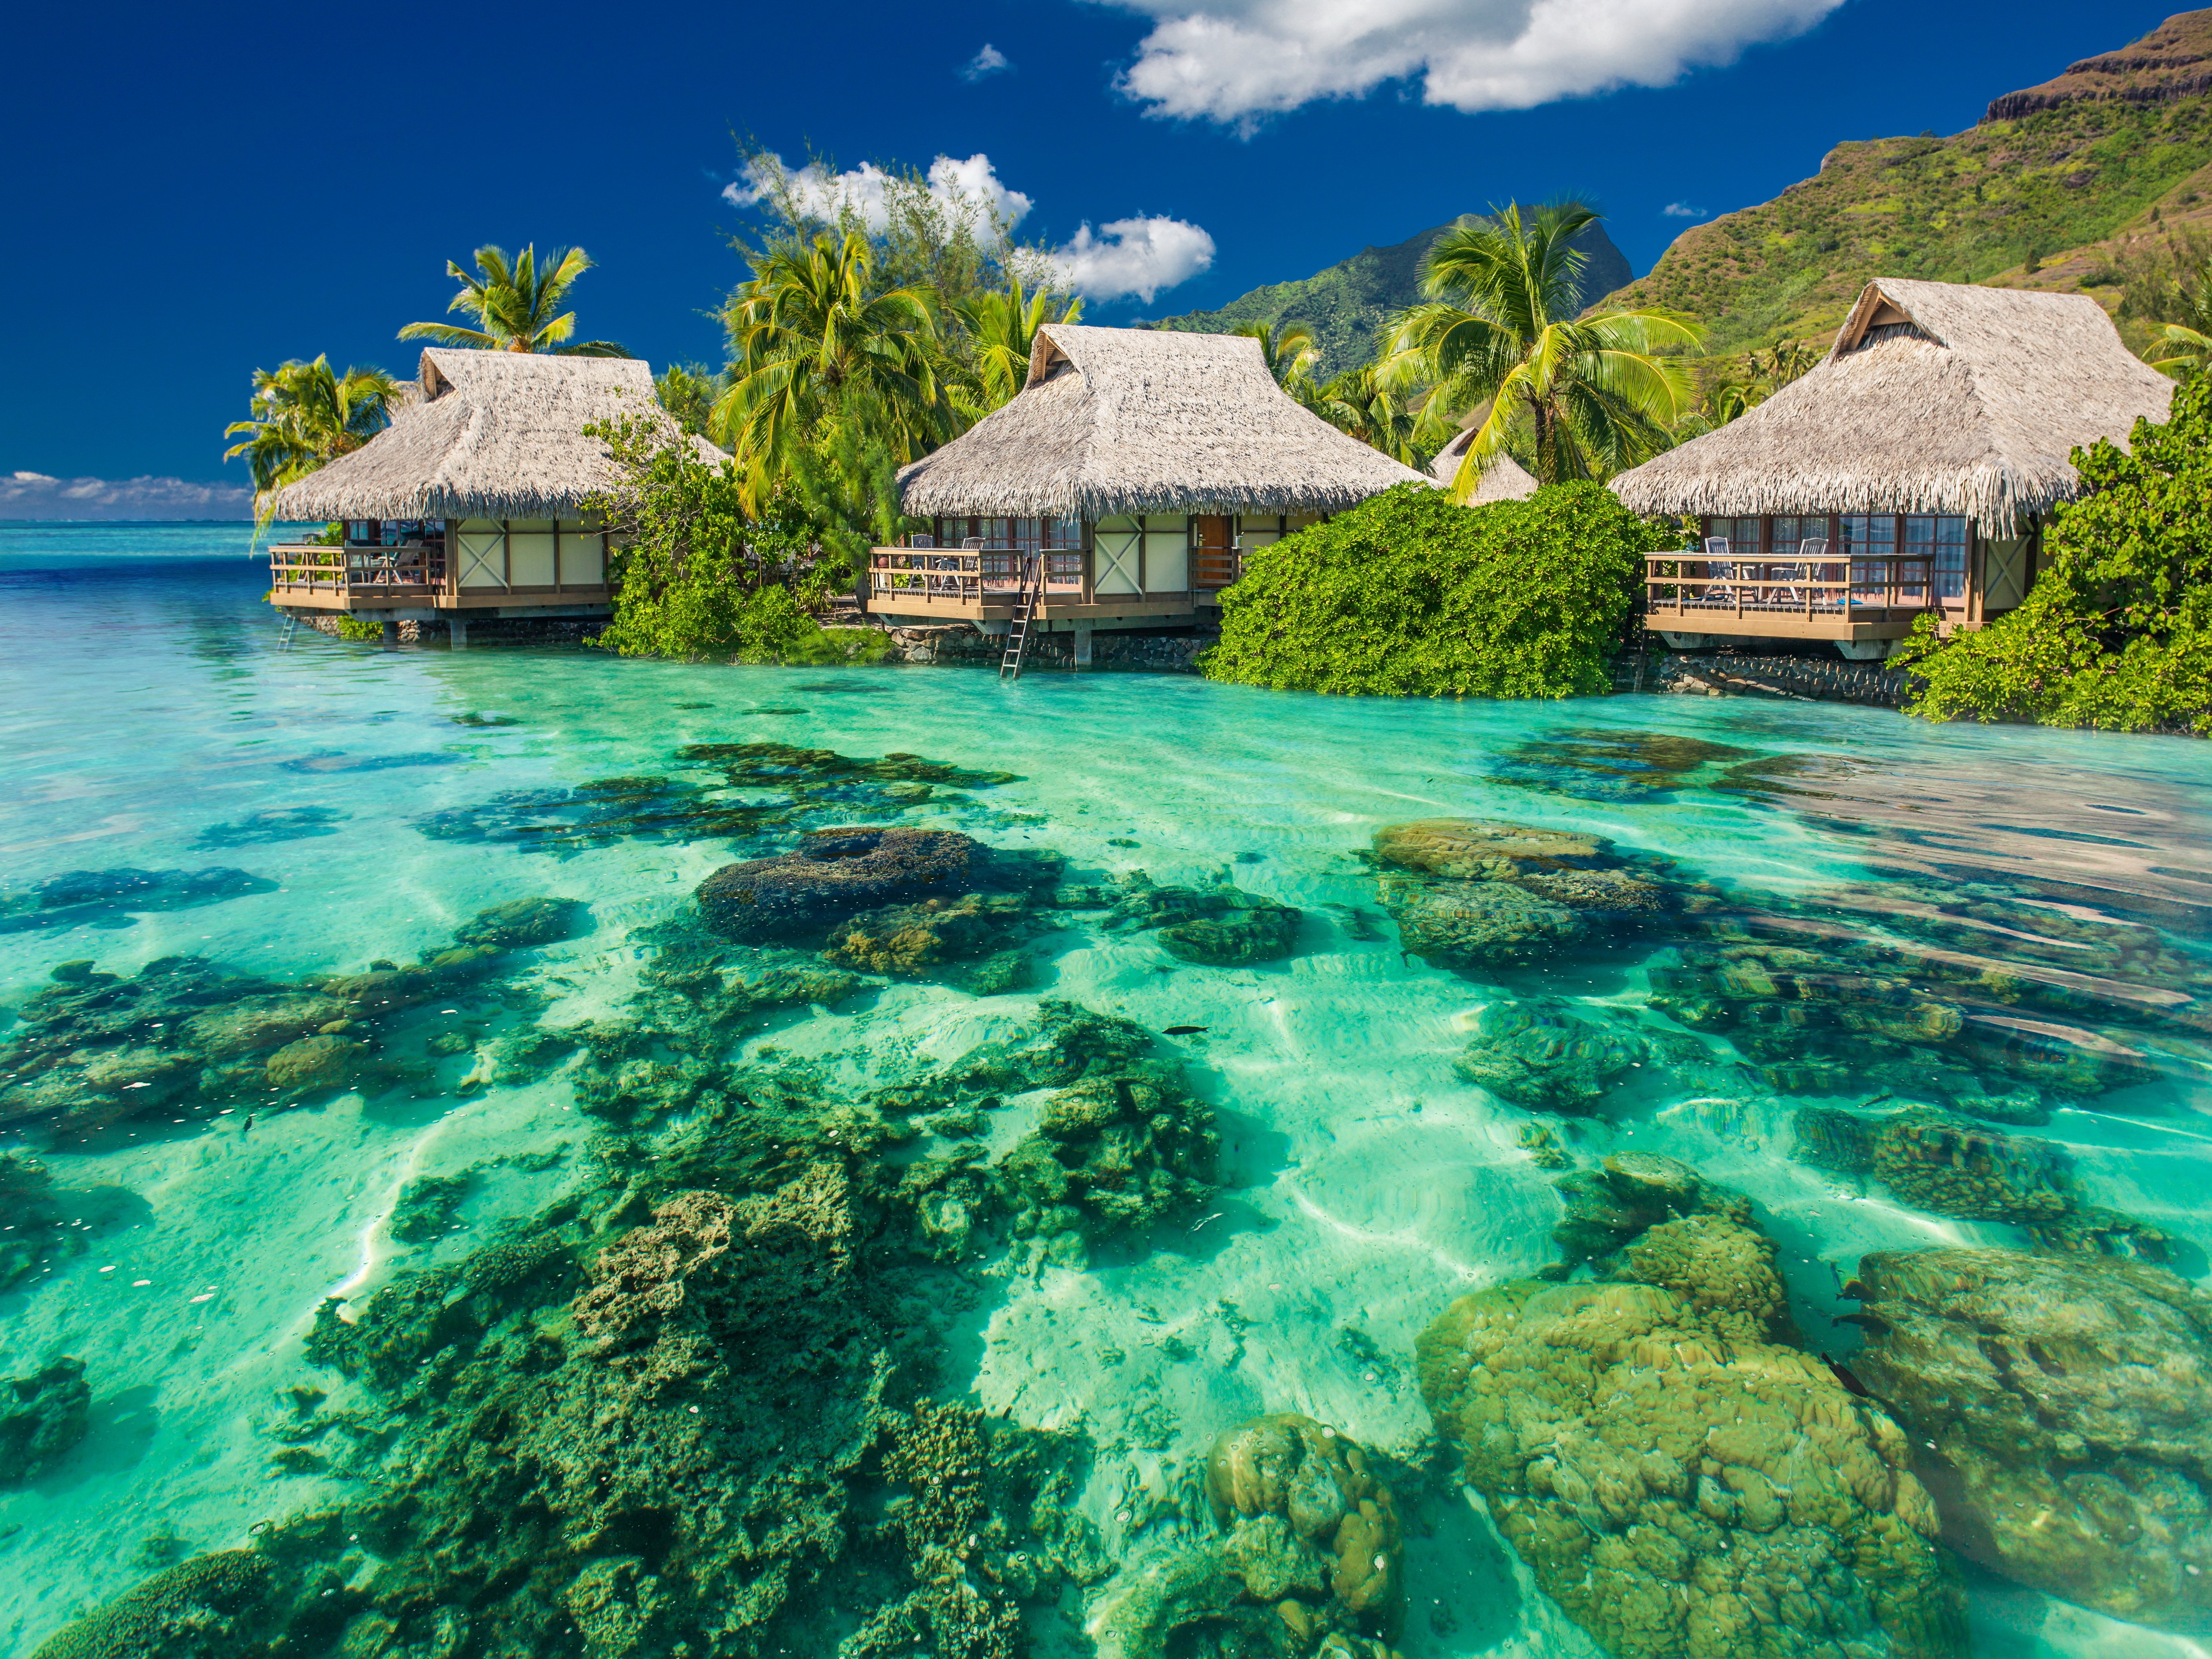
(1212, 563)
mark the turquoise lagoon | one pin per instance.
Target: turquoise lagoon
(159, 719)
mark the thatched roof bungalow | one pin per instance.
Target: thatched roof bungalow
(1504, 478)
(1134, 469)
(471, 503)
(1910, 471)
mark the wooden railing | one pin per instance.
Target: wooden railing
(968, 575)
(1215, 567)
(1859, 588)
(385, 571)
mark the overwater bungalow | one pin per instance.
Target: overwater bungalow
(1503, 479)
(469, 507)
(1122, 488)
(1910, 473)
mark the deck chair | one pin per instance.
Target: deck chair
(1719, 593)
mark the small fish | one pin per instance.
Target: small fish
(247, 1127)
(1184, 1031)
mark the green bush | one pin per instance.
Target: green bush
(351, 627)
(2117, 633)
(1407, 595)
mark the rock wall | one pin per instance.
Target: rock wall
(1820, 679)
(493, 630)
(1176, 652)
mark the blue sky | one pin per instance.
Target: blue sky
(194, 192)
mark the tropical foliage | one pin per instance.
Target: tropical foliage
(1731, 387)
(1567, 396)
(687, 391)
(305, 415)
(517, 304)
(1410, 595)
(700, 574)
(1001, 326)
(1287, 349)
(1357, 404)
(2116, 633)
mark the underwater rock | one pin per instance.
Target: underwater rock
(315, 1063)
(212, 1606)
(277, 823)
(525, 922)
(1607, 1208)
(566, 821)
(1938, 1163)
(426, 1205)
(249, 1024)
(910, 939)
(1223, 927)
(33, 1216)
(2069, 1403)
(1680, 1481)
(81, 896)
(835, 875)
(1478, 924)
(1115, 1152)
(1626, 766)
(783, 765)
(41, 1417)
(1290, 1466)
(1469, 850)
(1537, 1055)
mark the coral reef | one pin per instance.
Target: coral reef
(834, 875)
(1221, 927)
(2065, 1403)
(185, 1037)
(97, 896)
(426, 1205)
(1609, 1207)
(32, 1229)
(212, 1606)
(1308, 1562)
(1615, 766)
(1942, 1164)
(41, 1417)
(1467, 893)
(1681, 1482)
(1540, 1056)
(525, 922)
(277, 823)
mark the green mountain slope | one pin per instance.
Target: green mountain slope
(2047, 172)
(1349, 305)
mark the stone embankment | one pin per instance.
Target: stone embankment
(496, 630)
(962, 642)
(1725, 674)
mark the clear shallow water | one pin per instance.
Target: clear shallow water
(157, 710)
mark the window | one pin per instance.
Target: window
(1868, 539)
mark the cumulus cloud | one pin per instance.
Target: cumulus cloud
(989, 61)
(1237, 61)
(1123, 258)
(40, 495)
(865, 191)
(1682, 211)
(1130, 258)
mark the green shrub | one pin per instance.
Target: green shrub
(351, 627)
(2117, 633)
(1407, 595)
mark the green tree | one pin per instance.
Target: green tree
(815, 335)
(1000, 328)
(305, 416)
(687, 391)
(1410, 595)
(1569, 397)
(1358, 403)
(2116, 632)
(515, 302)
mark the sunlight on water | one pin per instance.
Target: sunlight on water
(562, 1277)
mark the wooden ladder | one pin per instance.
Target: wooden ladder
(1018, 635)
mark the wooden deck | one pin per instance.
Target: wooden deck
(318, 578)
(983, 585)
(1846, 600)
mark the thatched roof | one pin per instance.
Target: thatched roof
(1504, 478)
(1935, 398)
(493, 434)
(1130, 420)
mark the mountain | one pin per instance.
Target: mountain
(1349, 305)
(2058, 186)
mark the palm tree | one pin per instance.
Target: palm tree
(814, 334)
(1287, 349)
(305, 416)
(1357, 403)
(514, 302)
(1002, 327)
(2187, 344)
(1574, 396)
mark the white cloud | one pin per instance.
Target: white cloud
(989, 61)
(39, 496)
(1123, 258)
(1236, 61)
(967, 187)
(1682, 211)
(1137, 257)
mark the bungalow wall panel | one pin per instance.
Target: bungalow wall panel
(583, 560)
(1117, 556)
(1167, 553)
(2004, 574)
(530, 553)
(480, 554)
